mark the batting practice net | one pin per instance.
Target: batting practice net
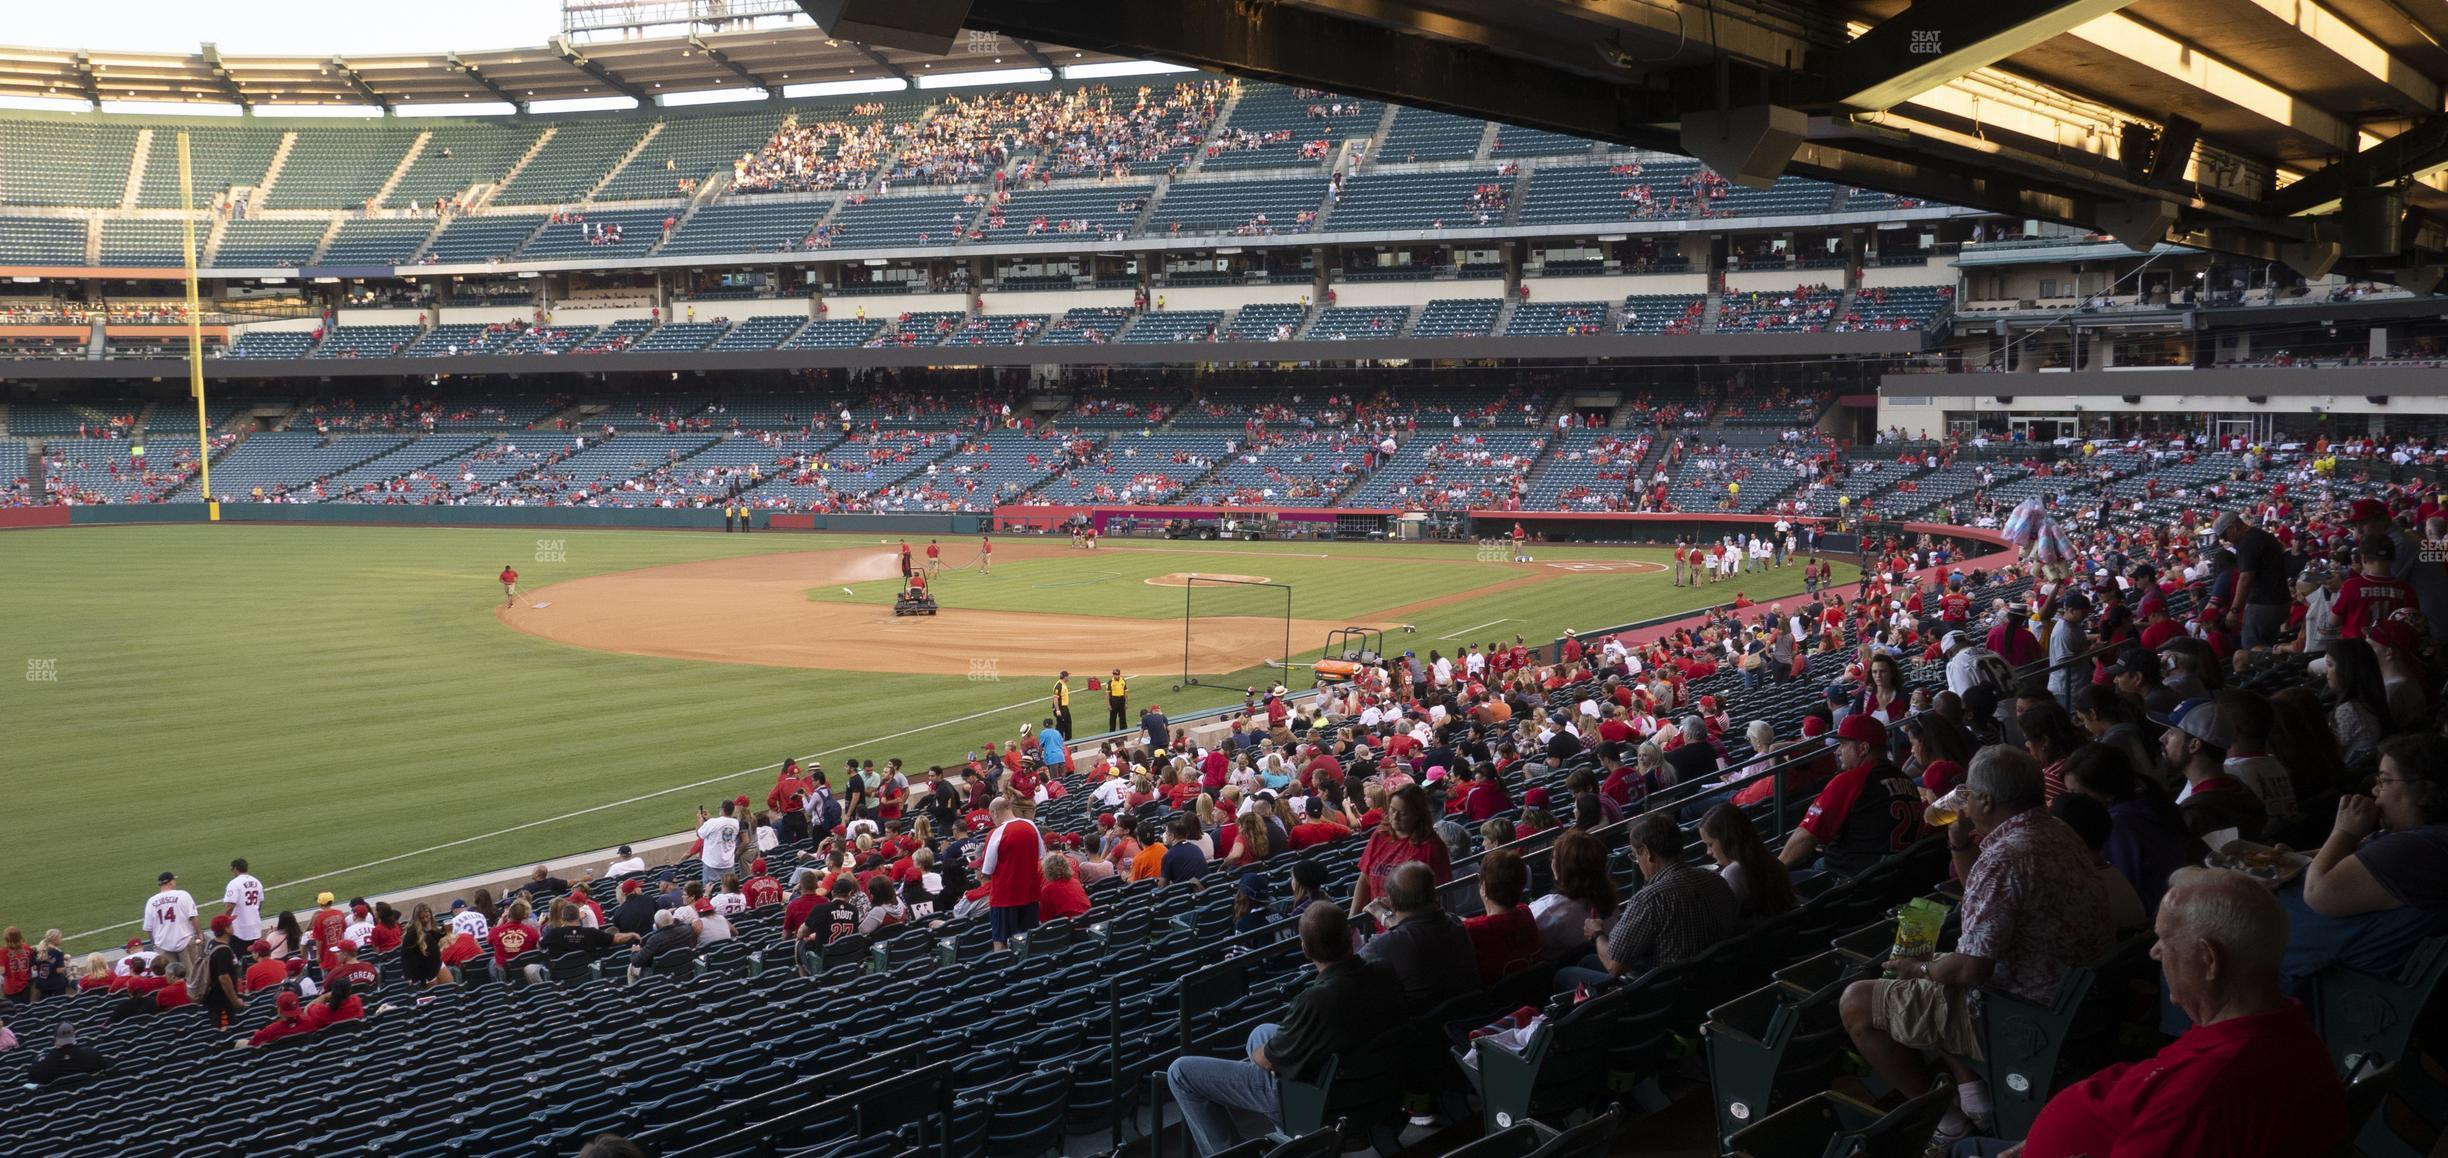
(1230, 623)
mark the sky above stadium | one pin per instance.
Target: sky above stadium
(281, 27)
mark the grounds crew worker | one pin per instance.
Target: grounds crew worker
(1117, 703)
(1062, 705)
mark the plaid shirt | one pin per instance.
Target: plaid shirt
(2033, 905)
(1672, 918)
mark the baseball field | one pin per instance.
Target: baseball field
(354, 709)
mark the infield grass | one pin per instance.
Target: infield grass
(340, 706)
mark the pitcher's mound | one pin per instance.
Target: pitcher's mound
(1183, 578)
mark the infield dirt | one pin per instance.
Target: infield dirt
(755, 610)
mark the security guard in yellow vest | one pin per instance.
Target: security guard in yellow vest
(1117, 703)
(1062, 705)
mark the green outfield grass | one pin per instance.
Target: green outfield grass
(340, 706)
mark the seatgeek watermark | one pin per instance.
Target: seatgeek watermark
(42, 671)
(552, 551)
(985, 671)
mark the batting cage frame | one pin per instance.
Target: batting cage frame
(1190, 586)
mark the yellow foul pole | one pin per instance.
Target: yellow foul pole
(195, 330)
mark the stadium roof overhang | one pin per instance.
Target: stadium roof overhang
(2306, 131)
(767, 58)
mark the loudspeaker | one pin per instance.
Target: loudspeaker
(2375, 220)
(2134, 143)
(928, 26)
(1750, 145)
(2257, 399)
(2138, 225)
(2174, 149)
(2376, 399)
(2313, 259)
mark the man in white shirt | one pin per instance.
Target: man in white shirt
(628, 863)
(244, 895)
(135, 955)
(467, 922)
(721, 837)
(170, 922)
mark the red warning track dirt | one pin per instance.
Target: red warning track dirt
(755, 610)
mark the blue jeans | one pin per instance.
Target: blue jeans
(2262, 623)
(1591, 972)
(1219, 1097)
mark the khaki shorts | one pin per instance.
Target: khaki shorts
(1924, 1014)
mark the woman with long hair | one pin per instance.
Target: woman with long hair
(386, 934)
(2050, 736)
(2361, 716)
(1581, 890)
(1408, 834)
(1883, 695)
(1251, 840)
(286, 935)
(421, 947)
(1761, 885)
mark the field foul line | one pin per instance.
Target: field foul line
(1468, 630)
(596, 808)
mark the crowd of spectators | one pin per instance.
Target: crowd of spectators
(2209, 682)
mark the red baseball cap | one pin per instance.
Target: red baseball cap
(286, 1002)
(2368, 511)
(2393, 635)
(260, 948)
(344, 946)
(1105, 820)
(757, 866)
(1864, 729)
(1942, 776)
(221, 924)
(1813, 726)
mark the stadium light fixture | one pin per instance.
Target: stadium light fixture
(710, 96)
(1112, 68)
(280, 110)
(46, 104)
(582, 104)
(174, 108)
(986, 77)
(845, 87)
(468, 109)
